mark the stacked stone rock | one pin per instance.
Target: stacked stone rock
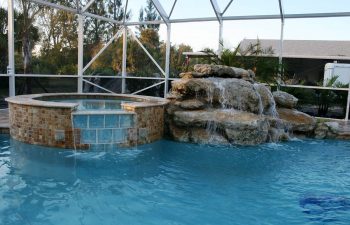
(207, 70)
(217, 104)
(298, 122)
(301, 123)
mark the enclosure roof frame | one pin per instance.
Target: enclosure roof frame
(82, 12)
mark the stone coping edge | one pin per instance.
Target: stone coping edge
(39, 99)
(104, 112)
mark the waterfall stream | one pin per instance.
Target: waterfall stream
(260, 103)
(220, 90)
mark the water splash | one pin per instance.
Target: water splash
(212, 130)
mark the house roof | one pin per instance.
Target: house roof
(311, 49)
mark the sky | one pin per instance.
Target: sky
(200, 35)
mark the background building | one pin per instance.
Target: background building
(305, 59)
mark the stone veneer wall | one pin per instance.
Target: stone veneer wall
(41, 125)
(52, 126)
(149, 123)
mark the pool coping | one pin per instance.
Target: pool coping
(103, 112)
(35, 100)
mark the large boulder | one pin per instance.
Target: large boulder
(209, 70)
(247, 136)
(278, 129)
(321, 131)
(178, 134)
(192, 74)
(186, 75)
(332, 129)
(173, 106)
(247, 75)
(298, 121)
(241, 72)
(240, 127)
(277, 135)
(238, 94)
(192, 104)
(285, 100)
(191, 87)
(228, 93)
(205, 136)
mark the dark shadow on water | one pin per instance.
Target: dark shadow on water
(324, 208)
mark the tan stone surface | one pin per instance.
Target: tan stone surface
(285, 100)
(229, 93)
(149, 122)
(192, 104)
(240, 127)
(38, 125)
(36, 120)
(299, 121)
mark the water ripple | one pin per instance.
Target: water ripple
(298, 182)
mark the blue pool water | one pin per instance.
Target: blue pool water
(299, 182)
(95, 104)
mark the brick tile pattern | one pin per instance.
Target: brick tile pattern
(52, 127)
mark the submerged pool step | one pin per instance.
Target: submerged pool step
(103, 127)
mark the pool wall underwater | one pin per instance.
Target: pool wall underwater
(37, 119)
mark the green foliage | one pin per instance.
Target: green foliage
(56, 34)
(326, 98)
(178, 61)
(3, 40)
(115, 10)
(149, 13)
(252, 57)
(95, 29)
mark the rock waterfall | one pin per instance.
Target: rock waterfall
(221, 105)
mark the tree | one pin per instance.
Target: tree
(110, 60)
(177, 59)
(116, 11)
(3, 40)
(59, 43)
(29, 35)
(28, 32)
(148, 14)
(96, 29)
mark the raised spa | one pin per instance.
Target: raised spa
(83, 121)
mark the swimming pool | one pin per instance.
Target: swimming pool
(299, 182)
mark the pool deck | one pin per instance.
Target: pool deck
(4, 121)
